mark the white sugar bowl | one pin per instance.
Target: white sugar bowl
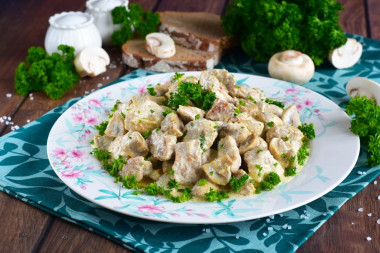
(101, 11)
(76, 29)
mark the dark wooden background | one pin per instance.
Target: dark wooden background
(24, 228)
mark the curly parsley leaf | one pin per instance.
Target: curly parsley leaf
(143, 23)
(366, 124)
(307, 130)
(236, 184)
(213, 195)
(101, 127)
(53, 74)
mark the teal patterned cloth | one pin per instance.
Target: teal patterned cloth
(25, 173)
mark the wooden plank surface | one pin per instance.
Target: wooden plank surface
(25, 228)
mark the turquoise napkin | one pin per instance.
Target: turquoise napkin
(25, 173)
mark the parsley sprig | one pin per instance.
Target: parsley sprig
(366, 124)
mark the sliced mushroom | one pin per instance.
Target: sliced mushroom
(292, 66)
(160, 45)
(347, 55)
(91, 61)
(360, 86)
(290, 116)
(219, 170)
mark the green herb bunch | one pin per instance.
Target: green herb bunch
(134, 22)
(53, 74)
(366, 124)
(266, 27)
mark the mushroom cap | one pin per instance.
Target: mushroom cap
(160, 45)
(360, 86)
(290, 116)
(91, 61)
(292, 66)
(347, 55)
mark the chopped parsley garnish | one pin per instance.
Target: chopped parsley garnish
(242, 103)
(283, 155)
(211, 173)
(115, 105)
(303, 153)
(275, 164)
(286, 138)
(154, 189)
(130, 182)
(258, 189)
(202, 182)
(171, 172)
(270, 124)
(259, 150)
(291, 171)
(115, 166)
(260, 168)
(202, 138)
(307, 130)
(197, 117)
(252, 99)
(177, 76)
(273, 102)
(101, 155)
(101, 127)
(151, 91)
(191, 93)
(186, 195)
(266, 186)
(92, 142)
(213, 195)
(147, 134)
(292, 159)
(172, 184)
(236, 184)
(122, 114)
(167, 111)
(272, 178)
(151, 111)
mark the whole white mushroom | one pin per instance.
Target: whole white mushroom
(160, 45)
(91, 61)
(360, 86)
(347, 55)
(292, 66)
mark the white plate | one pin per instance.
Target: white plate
(333, 155)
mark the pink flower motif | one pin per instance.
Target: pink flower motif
(190, 214)
(83, 187)
(175, 215)
(87, 131)
(202, 215)
(141, 89)
(90, 167)
(95, 102)
(299, 107)
(78, 117)
(77, 153)
(59, 152)
(308, 102)
(291, 91)
(72, 173)
(92, 121)
(151, 209)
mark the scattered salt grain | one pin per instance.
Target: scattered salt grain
(112, 66)
(7, 122)
(324, 214)
(368, 238)
(360, 173)
(270, 228)
(378, 221)
(352, 223)
(271, 216)
(1, 120)
(207, 230)
(30, 94)
(107, 77)
(302, 216)
(86, 92)
(9, 118)
(375, 182)
(285, 226)
(92, 90)
(360, 209)
(289, 227)
(378, 197)
(237, 237)
(268, 220)
(4, 117)
(9, 95)
(265, 234)
(369, 214)
(99, 85)
(32, 98)
(28, 121)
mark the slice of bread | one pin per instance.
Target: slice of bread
(136, 56)
(195, 30)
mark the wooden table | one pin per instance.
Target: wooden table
(28, 229)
